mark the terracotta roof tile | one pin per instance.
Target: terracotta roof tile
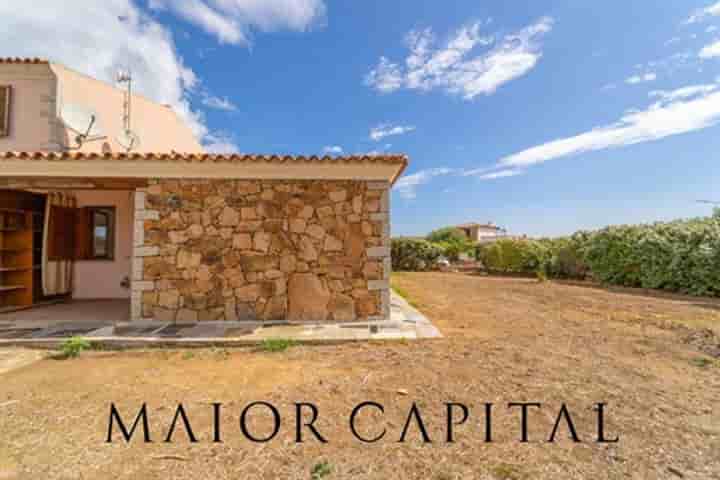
(22, 60)
(202, 157)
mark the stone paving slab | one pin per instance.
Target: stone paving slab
(405, 322)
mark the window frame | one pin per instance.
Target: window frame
(5, 118)
(111, 213)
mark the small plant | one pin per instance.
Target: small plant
(73, 346)
(505, 471)
(188, 355)
(320, 470)
(701, 362)
(277, 344)
(221, 353)
(541, 275)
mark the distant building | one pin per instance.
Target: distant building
(482, 232)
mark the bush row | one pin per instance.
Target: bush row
(681, 256)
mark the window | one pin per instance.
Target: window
(4, 110)
(102, 233)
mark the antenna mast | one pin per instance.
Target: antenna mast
(126, 77)
(127, 139)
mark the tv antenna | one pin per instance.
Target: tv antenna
(83, 122)
(127, 138)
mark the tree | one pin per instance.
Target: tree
(453, 242)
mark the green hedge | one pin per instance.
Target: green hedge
(681, 256)
(413, 255)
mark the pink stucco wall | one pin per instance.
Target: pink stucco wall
(32, 108)
(102, 278)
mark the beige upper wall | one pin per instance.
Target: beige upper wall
(39, 92)
(159, 128)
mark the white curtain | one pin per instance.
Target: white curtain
(57, 276)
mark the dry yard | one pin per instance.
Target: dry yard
(507, 340)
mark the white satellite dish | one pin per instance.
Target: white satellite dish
(82, 121)
(128, 139)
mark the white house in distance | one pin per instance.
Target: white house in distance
(482, 232)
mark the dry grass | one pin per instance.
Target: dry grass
(506, 340)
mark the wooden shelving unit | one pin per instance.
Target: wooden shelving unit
(16, 258)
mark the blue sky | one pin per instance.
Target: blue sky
(544, 117)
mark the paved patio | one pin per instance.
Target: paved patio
(106, 322)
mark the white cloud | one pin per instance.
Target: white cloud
(646, 77)
(386, 77)
(710, 51)
(220, 142)
(387, 130)
(232, 21)
(711, 29)
(468, 64)
(684, 92)
(678, 111)
(703, 13)
(218, 103)
(406, 186)
(500, 174)
(333, 149)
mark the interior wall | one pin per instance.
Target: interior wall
(103, 278)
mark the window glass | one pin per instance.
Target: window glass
(102, 234)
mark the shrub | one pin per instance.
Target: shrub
(515, 256)
(73, 346)
(567, 258)
(414, 255)
(681, 256)
(277, 344)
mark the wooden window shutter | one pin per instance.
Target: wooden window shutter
(83, 233)
(5, 91)
(61, 233)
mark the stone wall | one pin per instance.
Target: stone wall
(261, 250)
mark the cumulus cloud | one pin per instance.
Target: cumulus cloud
(645, 77)
(333, 149)
(703, 13)
(675, 112)
(710, 51)
(406, 186)
(232, 21)
(468, 64)
(387, 130)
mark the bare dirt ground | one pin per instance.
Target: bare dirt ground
(507, 340)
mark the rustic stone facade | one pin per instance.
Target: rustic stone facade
(263, 250)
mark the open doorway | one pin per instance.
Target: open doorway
(72, 260)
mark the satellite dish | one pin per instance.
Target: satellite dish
(82, 121)
(128, 140)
